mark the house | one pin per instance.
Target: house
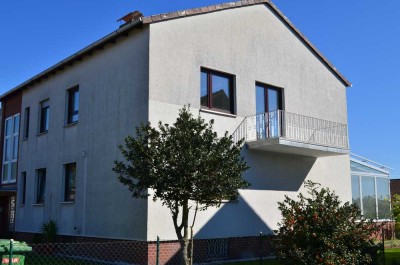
(394, 186)
(243, 64)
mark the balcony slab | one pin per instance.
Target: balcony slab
(287, 146)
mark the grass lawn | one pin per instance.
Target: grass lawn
(391, 255)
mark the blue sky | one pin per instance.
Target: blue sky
(361, 38)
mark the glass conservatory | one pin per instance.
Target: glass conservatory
(370, 188)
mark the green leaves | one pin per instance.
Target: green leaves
(319, 229)
(183, 161)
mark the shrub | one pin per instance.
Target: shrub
(49, 231)
(319, 229)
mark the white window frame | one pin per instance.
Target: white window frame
(11, 141)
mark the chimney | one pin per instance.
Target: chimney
(131, 16)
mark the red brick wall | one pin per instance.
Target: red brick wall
(143, 252)
(394, 186)
(387, 230)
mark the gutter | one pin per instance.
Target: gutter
(76, 56)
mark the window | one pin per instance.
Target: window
(10, 149)
(217, 91)
(370, 190)
(40, 185)
(26, 122)
(70, 182)
(371, 194)
(268, 100)
(73, 105)
(44, 116)
(22, 190)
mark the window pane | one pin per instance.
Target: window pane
(44, 119)
(13, 171)
(8, 127)
(26, 122)
(16, 124)
(73, 105)
(76, 101)
(5, 172)
(41, 186)
(355, 190)
(15, 147)
(369, 201)
(221, 92)
(382, 186)
(273, 100)
(7, 149)
(70, 182)
(203, 90)
(22, 190)
(260, 99)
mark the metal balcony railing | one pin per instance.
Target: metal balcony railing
(294, 127)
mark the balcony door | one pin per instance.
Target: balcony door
(268, 104)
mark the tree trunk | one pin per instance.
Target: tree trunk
(186, 234)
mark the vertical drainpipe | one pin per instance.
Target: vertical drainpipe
(84, 155)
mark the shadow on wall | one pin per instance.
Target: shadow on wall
(236, 219)
(278, 172)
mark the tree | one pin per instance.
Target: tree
(182, 164)
(319, 229)
(396, 213)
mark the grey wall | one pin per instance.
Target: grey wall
(113, 100)
(255, 46)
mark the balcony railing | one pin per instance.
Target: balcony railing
(291, 126)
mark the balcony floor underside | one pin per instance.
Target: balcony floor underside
(287, 146)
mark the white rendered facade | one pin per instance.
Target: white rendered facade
(148, 75)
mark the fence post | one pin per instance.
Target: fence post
(383, 245)
(11, 249)
(261, 248)
(158, 251)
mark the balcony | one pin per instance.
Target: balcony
(284, 132)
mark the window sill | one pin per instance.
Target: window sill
(10, 182)
(38, 204)
(21, 205)
(67, 202)
(218, 113)
(71, 124)
(24, 139)
(42, 133)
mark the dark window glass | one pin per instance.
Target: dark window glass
(26, 122)
(23, 187)
(44, 116)
(73, 105)
(216, 91)
(268, 98)
(204, 89)
(70, 182)
(40, 185)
